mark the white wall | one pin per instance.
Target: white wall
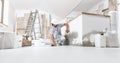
(9, 29)
(11, 18)
(119, 26)
(118, 21)
(95, 23)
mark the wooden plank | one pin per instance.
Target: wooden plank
(21, 28)
(89, 14)
(95, 14)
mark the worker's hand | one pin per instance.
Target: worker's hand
(67, 31)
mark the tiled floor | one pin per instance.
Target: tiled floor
(63, 54)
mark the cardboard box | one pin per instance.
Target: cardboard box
(26, 43)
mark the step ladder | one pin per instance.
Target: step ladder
(30, 30)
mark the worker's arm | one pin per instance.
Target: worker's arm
(67, 27)
(52, 39)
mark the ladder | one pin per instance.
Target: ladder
(30, 30)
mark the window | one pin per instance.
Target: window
(1, 10)
(5, 16)
(4, 11)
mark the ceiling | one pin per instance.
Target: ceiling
(60, 8)
(83, 6)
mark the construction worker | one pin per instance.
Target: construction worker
(55, 33)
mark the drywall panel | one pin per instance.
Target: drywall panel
(95, 23)
(7, 40)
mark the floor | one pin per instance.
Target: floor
(60, 54)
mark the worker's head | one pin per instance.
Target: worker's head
(54, 22)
